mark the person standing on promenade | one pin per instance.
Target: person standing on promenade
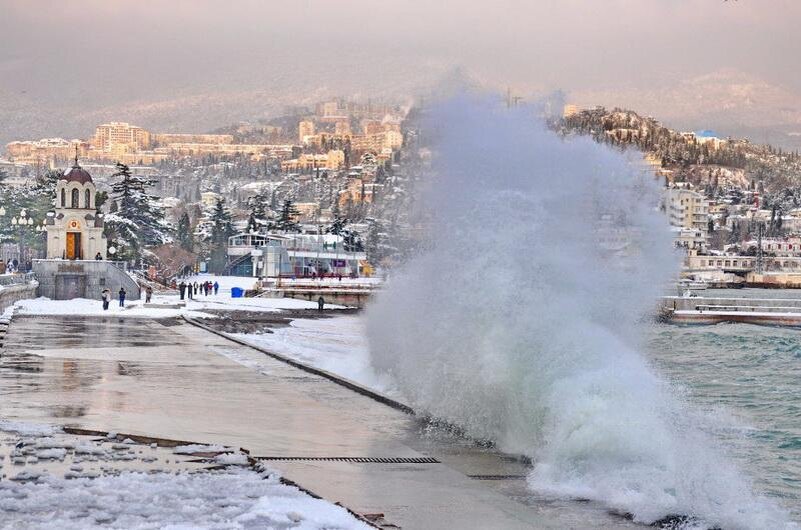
(106, 297)
(216, 288)
(182, 289)
(122, 296)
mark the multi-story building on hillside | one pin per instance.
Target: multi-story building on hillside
(120, 137)
(686, 208)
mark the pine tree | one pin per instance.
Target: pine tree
(286, 219)
(259, 217)
(337, 226)
(184, 233)
(100, 199)
(138, 221)
(221, 230)
(377, 247)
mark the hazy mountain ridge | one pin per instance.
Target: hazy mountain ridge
(728, 101)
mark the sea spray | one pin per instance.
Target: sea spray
(521, 320)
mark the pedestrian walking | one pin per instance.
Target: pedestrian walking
(148, 294)
(106, 297)
(182, 289)
(189, 291)
(320, 304)
(195, 288)
(216, 288)
(122, 296)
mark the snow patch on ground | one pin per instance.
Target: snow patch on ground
(337, 345)
(199, 448)
(266, 305)
(229, 499)
(135, 308)
(86, 307)
(28, 429)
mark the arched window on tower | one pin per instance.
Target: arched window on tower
(76, 197)
(63, 198)
(87, 199)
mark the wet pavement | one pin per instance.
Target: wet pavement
(169, 379)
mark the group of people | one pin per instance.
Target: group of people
(191, 290)
(105, 296)
(11, 267)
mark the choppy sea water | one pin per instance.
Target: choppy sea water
(748, 379)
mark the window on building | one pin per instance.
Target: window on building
(87, 199)
(63, 198)
(76, 197)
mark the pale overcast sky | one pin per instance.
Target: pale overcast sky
(90, 58)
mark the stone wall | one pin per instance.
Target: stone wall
(65, 280)
(13, 293)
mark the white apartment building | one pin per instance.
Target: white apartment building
(686, 208)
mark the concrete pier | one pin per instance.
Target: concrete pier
(172, 380)
(714, 310)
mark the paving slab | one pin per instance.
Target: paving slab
(172, 380)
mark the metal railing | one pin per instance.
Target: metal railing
(122, 265)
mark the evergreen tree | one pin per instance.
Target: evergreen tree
(337, 226)
(259, 217)
(221, 230)
(100, 199)
(286, 219)
(376, 247)
(184, 233)
(138, 221)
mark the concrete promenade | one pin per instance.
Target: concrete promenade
(169, 379)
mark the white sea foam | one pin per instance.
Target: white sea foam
(521, 321)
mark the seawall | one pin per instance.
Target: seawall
(65, 280)
(13, 293)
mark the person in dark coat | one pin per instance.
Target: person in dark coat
(106, 297)
(195, 287)
(98, 257)
(189, 290)
(216, 288)
(122, 296)
(148, 294)
(182, 289)
(320, 304)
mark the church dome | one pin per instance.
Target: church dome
(77, 174)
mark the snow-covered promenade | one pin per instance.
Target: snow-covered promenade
(165, 378)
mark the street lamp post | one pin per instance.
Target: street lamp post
(21, 223)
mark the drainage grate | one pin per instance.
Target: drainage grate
(497, 477)
(356, 459)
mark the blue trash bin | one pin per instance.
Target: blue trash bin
(237, 292)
